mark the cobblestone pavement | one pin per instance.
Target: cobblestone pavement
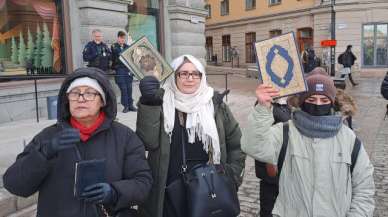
(369, 126)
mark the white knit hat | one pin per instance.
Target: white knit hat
(90, 82)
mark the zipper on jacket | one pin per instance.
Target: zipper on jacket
(314, 170)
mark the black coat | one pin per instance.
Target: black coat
(126, 167)
(384, 87)
(97, 55)
(116, 51)
(347, 59)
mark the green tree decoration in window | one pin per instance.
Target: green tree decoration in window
(38, 48)
(14, 51)
(47, 51)
(22, 50)
(30, 46)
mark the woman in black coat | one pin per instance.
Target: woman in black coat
(86, 130)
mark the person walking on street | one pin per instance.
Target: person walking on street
(312, 61)
(185, 109)
(123, 76)
(86, 130)
(347, 59)
(326, 170)
(96, 52)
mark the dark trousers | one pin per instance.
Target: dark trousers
(350, 78)
(124, 81)
(268, 195)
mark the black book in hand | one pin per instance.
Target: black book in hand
(88, 172)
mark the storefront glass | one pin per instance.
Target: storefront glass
(143, 20)
(31, 40)
(375, 45)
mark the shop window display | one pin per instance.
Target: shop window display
(30, 37)
(143, 20)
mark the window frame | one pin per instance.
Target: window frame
(249, 47)
(277, 31)
(374, 65)
(224, 7)
(250, 7)
(226, 48)
(207, 47)
(208, 8)
(271, 3)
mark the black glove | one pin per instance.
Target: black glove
(148, 86)
(100, 193)
(64, 139)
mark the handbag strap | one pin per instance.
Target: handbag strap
(184, 160)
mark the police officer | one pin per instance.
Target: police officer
(96, 52)
(123, 77)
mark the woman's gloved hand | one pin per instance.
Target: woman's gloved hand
(65, 139)
(100, 193)
(149, 86)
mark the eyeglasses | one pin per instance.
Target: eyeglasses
(186, 74)
(87, 96)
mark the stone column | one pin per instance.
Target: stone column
(185, 28)
(86, 15)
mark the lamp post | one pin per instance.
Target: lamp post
(332, 49)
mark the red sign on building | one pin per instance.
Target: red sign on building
(328, 43)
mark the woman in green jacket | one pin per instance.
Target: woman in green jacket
(185, 104)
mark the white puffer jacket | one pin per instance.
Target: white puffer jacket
(315, 180)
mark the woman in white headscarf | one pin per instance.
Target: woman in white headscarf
(185, 107)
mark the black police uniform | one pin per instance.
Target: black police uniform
(97, 55)
(123, 76)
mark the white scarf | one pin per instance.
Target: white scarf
(200, 122)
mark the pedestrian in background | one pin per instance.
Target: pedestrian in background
(96, 52)
(326, 170)
(312, 61)
(347, 60)
(185, 109)
(123, 76)
(86, 130)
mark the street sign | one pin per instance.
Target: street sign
(328, 43)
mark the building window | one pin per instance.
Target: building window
(250, 4)
(31, 39)
(250, 39)
(224, 7)
(275, 32)
(375, 45)
(143, 20)
(208, 8)
(274, 2)
(305, 38)
(209, 48)
(226, 48)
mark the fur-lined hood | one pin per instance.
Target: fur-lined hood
(345, 103)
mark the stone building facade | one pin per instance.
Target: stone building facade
(175, 27)
(361, 23)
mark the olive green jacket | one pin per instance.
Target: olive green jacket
(150, 129)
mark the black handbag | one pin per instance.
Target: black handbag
(209, 190)
(205, 190)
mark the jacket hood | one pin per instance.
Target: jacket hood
(110, 108)
(345, 103)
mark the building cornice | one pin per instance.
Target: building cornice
(260, 19)
(320, 9)
(192, 15)
(187, 10)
